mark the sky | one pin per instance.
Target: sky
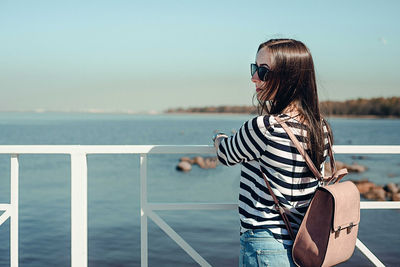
(140, 56)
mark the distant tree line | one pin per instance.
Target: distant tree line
(374, 106)
(359, 107)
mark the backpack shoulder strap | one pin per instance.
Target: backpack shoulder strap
(330, 151)
(336, 176)
(278, 207)
(301, 150)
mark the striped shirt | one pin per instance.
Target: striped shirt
(262, 143)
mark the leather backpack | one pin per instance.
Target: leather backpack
(328, 233)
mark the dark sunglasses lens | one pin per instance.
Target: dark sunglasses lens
(253, 69)
(262, 73)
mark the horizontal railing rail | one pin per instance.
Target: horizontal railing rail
(79, 207)
(168, 149)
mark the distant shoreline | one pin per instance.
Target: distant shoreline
(350, 116)
(373, 108)
(248, 114)
(357, 108)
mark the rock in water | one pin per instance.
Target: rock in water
(210, 163)
(187, 159)
(364, 186)
(396, 197)
(199, 161)
(185, 163)
(340, 165)
(391, 188)
(376, 193)
(356, 168)
(184, 166)
(371, 191)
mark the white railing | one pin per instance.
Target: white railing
(79, 229)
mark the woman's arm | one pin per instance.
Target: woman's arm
(247, 144)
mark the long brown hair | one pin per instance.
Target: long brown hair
(291, 81)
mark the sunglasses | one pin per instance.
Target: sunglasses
(262, 71)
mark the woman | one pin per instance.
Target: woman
(284, 79)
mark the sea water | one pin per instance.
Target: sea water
(114, 189)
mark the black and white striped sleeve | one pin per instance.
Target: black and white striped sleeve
(247, 144)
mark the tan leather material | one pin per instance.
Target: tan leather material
(330, 151)
(312, 240)
(341, 246)
(317, 243)
(336, 176)
(347, 198)
(346, 219)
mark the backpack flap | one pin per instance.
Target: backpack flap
(346, 198)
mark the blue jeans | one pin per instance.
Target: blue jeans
(260, 248)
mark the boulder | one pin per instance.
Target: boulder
(210, 163)
(356, 168)
(364, 185)
(187, 159)
(396, 197)
(206, 163)
(371, 191)
(376, 193)
(391, 188)
(186, 163)
(199, 161)
(184, 166)
(340, 165)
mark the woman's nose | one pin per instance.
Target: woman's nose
(255, 78)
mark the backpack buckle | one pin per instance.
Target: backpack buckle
(349, 228)
(337, 232)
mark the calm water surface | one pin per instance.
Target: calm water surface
(113, 189)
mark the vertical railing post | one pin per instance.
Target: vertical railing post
(14, 211)
(143, 210)
(79, 235)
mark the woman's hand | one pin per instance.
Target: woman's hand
(217, 139)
